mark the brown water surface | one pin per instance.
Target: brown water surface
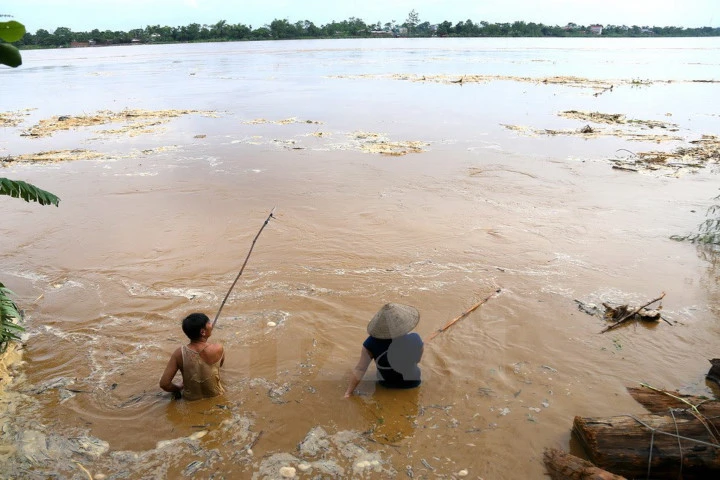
(143, 239)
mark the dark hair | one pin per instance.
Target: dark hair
(193, 323)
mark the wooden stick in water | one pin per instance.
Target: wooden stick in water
(243, 265)
(462, 315)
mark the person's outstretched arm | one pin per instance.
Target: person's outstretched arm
(171, 369)
(358, 372)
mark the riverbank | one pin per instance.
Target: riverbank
(10, 399)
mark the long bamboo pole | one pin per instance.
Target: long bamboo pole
(462, 315)
(243, 265)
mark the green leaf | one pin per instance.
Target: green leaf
(9, 318)
(11, 31)
(26, 191)
(10, 55)
(13, 326)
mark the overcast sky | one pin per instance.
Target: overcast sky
(85, 15)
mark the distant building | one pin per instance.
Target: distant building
(402, 31)
(381, 33)
(647, 30)
(596, 29)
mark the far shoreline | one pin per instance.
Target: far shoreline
(352, 28)
(594, 37)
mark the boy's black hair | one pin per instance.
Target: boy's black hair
(193, 323)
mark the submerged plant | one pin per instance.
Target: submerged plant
(708, 231)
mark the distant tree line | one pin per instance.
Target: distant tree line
(282, 29)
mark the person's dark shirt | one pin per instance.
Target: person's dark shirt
(397, 360)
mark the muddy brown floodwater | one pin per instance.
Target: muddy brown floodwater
(433, 204)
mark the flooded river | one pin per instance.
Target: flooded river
(388, 188)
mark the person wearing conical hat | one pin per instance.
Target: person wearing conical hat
(394, 348)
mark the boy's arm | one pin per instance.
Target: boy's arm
(171, 369)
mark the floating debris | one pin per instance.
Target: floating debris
(589, 132)
(192, 468)
(13, 119)
(315, 442)
(616, 119)
(198, 435)
(600, 86)
(361, 466)
(486, 392)
(287, 472)
(379, 143)
(137, 120)
(703, 151)
(620, 311)
(55, 156)
(589, 308)
(287, 121)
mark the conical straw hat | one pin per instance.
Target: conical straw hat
(393, 320)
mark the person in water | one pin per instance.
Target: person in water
(395, 350)
(199, 362)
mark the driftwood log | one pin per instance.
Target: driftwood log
(564, 466)
(660, 404)
(666, 446)
(714, 373)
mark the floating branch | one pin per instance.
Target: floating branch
(463, 315)
(631, 314)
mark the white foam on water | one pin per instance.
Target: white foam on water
(34, 277)
(49, 329)
(137, 174)
(136, 289)
(213, 161)
(558, 290)
(188, 293)
(68, 284)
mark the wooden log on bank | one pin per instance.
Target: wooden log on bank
(660, 404)
(564, 466)
(714, 373)
(665, 446)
